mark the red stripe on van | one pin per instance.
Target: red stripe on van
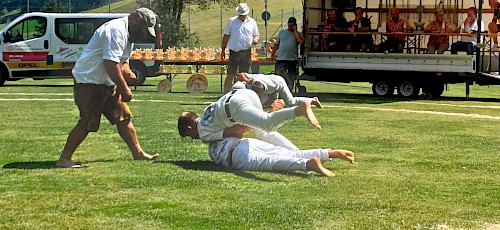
(25, 56)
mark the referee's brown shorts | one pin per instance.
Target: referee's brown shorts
(93, 100)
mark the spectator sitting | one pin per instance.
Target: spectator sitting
(396, 25)
(439, 43)
(493, 26)
(359, 42)
(336, 23)
(467, 42)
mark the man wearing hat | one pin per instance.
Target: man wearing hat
(287, 42)
(240, 34)
(101, 74)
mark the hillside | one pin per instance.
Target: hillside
(208, 25)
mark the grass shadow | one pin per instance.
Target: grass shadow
(31, 165)
(205, 165)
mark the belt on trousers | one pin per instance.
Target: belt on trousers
(226, 107)
(243, 51)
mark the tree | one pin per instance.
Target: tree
(169, 13)
(53, 6)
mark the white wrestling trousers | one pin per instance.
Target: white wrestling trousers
(256, 155)
(246, 109)
(275, 138)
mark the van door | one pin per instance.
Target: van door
(71, 35)
(26, 45)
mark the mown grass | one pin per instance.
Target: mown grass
(413, 170)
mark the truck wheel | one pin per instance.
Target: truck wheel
(408, 89)
(140, 72)
(437, 90)
(382, 88)
(302, 89)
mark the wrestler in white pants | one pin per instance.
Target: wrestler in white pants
(274, 87)
(243, 107)
(249, 154)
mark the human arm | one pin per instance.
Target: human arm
(127, 72)
(114, 71)
(223, 45)
(298, 35)
(255, 40)
(273, 51)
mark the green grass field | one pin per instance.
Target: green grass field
(421, 164)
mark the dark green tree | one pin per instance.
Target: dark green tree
(55, 6)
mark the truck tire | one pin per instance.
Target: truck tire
(437, 90)
(383, 89)
(3, 75)
(140, 72)
(408, 89)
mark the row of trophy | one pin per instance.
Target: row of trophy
(168, 69)
(183, 54)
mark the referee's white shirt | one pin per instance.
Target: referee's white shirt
(110, 42)
(241, 33)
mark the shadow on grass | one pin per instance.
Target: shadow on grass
(210, 166)
(31, 165)
(45, 164)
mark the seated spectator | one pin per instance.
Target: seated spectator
(493, 26)
(396, 25)
(336, 23)
(467, 42)
(359, 42)
(438, 43)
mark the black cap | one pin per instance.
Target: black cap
(292, 19)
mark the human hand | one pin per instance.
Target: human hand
(223, 54)
(294, 27)
(277, 105)
(129, 77)
(126, 94)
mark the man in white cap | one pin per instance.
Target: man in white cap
(101, 75)
(240, 34)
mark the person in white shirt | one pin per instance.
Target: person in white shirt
(240, 33)
(469, 26)
(101, 74)
(250, 154)
(271, 87)
(237, 112)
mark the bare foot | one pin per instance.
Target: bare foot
(316, 102)
(62, 163)
(146, 157)
(304, 110)
(342, 154)
(314, 164)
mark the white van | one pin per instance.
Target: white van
(47, 45)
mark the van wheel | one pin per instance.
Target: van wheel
(408, 89)
(140, 72)
(383, 89)
(3, 76)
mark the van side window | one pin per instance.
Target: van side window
(77, 30)
(29, 28)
